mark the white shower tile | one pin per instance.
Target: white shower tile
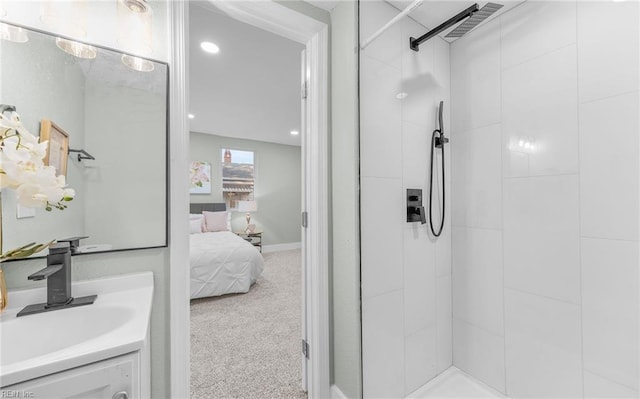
(610, 309)
(444, 326)
(535, 28)
(416, 140)
(543, 347)
(475, 78)
(610, 167)
(599, 387)
(476, 177)
(419, 84)
(442, 73)
(419, 358)
(541, 236)
(539, 105)
(443, 252)
(479, 353)
(380, 120)
(608, 48)
(383, 346)
(387, 47)
(381, 224)
(419, 281)
(478, 278)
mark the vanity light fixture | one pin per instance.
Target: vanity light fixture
(13, 33)
(137, 63)
(295, 132)
(76, 49)
(210, 47)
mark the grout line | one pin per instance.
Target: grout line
(579, 209)
(626, 93)
(538, 176)
(521, 291)
(474, 325)
(502, 150)
(460, 226)
(610, 380)
(609, 239)
(540, 56)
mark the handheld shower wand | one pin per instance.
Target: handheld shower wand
(438, 140)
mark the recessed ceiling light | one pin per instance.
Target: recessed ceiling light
(191, 116)
(210, 47)
(295, 132)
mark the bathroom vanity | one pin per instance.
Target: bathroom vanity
(95, 351)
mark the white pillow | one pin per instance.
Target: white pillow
(216, 221)
(195, 226)
(193, 216)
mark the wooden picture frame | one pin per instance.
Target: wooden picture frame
(58, 148)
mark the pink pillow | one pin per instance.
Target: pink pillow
(215, 221)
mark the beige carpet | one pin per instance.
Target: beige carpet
(248, 345)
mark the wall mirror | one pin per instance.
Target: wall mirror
(110, 109)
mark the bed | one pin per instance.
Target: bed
(221, 262)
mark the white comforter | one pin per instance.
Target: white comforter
(222, 263)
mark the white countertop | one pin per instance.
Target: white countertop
(41, 344)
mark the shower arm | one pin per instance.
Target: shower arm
(409, 9)
(414, 43)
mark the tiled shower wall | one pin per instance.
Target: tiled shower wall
(545, 158)
(406, 275)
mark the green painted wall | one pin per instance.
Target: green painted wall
(278, 189)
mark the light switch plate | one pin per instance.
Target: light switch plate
(22, 212)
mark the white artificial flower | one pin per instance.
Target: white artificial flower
(22, 168)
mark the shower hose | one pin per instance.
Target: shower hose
(437, 141)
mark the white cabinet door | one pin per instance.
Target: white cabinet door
(117, 378)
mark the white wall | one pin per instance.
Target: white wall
(406, 274)
(545, 240)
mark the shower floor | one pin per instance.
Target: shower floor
(454, 383)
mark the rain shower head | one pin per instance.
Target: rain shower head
(485, 12)
(473, 15)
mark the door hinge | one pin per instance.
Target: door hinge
(305, 90)
(305, 348)
(305, 219)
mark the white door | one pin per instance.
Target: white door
(304, 132)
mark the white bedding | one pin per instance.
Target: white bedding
(222, 263)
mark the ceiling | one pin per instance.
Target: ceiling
(251, 88)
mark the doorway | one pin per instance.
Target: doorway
(313, 34)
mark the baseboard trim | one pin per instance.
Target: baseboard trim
(336, 393)
(287, 246)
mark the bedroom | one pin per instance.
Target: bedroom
(246, 198)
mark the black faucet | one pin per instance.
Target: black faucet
(58, 275)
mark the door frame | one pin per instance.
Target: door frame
(278, 19)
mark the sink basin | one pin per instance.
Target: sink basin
(41, 344)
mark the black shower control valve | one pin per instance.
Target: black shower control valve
(415, 210)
